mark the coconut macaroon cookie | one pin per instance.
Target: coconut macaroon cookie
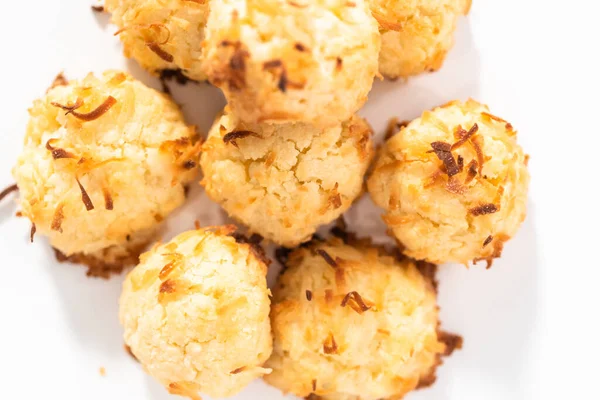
(105, 159)
(282, 61)
(416, 34)
(453, 184)
(351, 322)
(162, 34)
(196, 313)
(283, 181)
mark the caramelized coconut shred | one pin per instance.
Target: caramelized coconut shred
(85, 197)
(159, 51)
(327, 258)
(92, 115)
(237, 370)
(32, 232)
(355, 301)
(108, 200)
(8, 190)
(57, 218)
(487, 240)
(232, 137)
(58, 153)
(309, 295)
(330, 346)
(443, 151)
(484, 209)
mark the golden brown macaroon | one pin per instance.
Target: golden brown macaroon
(285, 180)
(286, 61)
(352, 322)
(453, 184)
(162, 34)
(415, 34)
(105, 159)
(196, 313)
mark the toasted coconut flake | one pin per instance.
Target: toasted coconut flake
(453, 342)
(185, 389)
(308, 295)
(338, 64)
(8, 190)
(476, 143)
(159, 51)
(471, 172)
(108, 200)
(98, 9)
(355, 301)
(85, 197)
(314, 385)
(58, 153)
(283, 81)
(168, 286)
(232, 137)
(57, 218)
(166, 270)
(340, 277)
(483, 209)
(95, 114)
(69, 108)
(272, 64)
(59, 80)
(461, 162)
(334, 201)
(300, 47)
(189, 164)
(507, 124)
(454, 186)
(327, 258)
(298, 5)
(237, 370)
(465, 137)
(443, 151)
(330, 346)
(32, 232)
(386, 23)
(487, 240)
(128, 350)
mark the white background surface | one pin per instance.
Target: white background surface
(530, 323)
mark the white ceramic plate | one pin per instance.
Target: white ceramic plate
(526, 327)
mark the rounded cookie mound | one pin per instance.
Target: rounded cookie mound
(196, 313)
(351, 322)
(416, 34)
(105, 159)
(162, 34)
(284, 61)
(453, 184)
(285, 180)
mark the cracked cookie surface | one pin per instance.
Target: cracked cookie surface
(285, 180)
(105, 159)
(196, 313)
